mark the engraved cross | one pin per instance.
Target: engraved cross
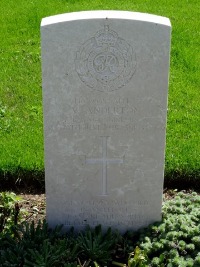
(104, 161)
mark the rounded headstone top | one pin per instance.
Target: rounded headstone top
(103, 14)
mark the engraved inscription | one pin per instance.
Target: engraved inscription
(104, 202)
(106, 212)
(104, 160)
(99, 114)
(105, 62)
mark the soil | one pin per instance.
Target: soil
(33, 206)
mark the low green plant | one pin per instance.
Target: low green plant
(138, 258)
(47, 255)
(36, 234)
(97, 247)
(38, 246)
(9, 211)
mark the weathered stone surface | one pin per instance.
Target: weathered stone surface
(105, 83)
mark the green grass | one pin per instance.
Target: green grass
(21, 122)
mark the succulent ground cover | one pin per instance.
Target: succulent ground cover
(176, 240)
(173, 242)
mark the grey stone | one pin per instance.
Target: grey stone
(105, 86)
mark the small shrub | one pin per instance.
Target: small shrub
(9, 211)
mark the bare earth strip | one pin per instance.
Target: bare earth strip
(34, 205)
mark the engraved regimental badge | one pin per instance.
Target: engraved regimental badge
(105, 62)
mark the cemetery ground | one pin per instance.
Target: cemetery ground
(174, 241)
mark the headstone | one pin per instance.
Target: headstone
(105, 83)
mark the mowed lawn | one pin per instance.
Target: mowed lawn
(21, 121)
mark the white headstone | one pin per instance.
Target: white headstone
(105, 84)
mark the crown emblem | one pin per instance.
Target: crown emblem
(106, 37)
(105, 62)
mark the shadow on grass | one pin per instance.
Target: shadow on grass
(33, 181)
(20, 180)
(183, 180)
